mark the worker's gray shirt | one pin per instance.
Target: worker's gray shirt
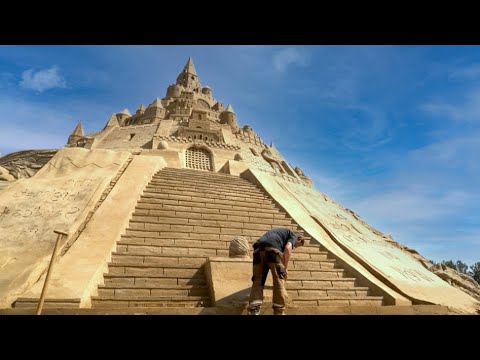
(276, 238)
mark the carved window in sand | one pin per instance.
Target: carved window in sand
(203, 104)
(199, 159)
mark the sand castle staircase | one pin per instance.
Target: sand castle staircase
(186, 216)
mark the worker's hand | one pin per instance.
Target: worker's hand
(286, 274)
(281, 272)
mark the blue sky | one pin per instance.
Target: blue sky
(390, 132)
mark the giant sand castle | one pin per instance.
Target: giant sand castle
(161, 209)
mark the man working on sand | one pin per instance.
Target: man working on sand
(272, 252)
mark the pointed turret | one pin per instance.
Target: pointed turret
(188, 78)
(228, 117)
(229, 109)
(122, 116)
(248, 129)
(155, 109)
(76, 134)
(218, 106)
(272, 147)
(140, 110)
(78, 131)
(207, 90)
(112, 122)
(125, 112)
(156, 103)
(189, 68)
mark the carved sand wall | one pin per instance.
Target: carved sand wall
(24, 164)
(93, 248)
(457, 279)
(385, 261)
(59, 196)
(131, 137)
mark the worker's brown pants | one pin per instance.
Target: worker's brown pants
(263, 261)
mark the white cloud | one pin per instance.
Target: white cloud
(411, 204)
(32, 125)
(468, 111)
(470, 72)
(15, 139)
(43, 79)
(421, 215)
(461, 151)
(422, 219)
(332, 186)
(343, 89)
(429, 202)
(440, 244)
(367, 130)
(290, 56)
(36, 125)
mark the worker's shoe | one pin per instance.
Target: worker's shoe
(254, 312)
(279, 311)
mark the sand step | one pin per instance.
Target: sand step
(199, 200)
(160, 271)
(151, 202)
(198, 213)
(157, 261)
(205, 208)
(169, 248)
(195, 261)
(207, 187)
(206, 177)
(153, 266)
(115, 283)
(195, 189)
(166, 238)
(192, 173)
(154, 280)
(321, 293)
(186, 290)
(210, 222)
(161, 257)
(231, 219)
(48, 303)
(133, 248)
(294, 274)
(206, 247)
(195, 232)
(196, 173)
(213, 193)
(312, 265)
(211, 183)
(338, 283)
(338, 300)
(148, 301)
(205, 226)
(240, 310)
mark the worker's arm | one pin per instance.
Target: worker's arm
(286, 256)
